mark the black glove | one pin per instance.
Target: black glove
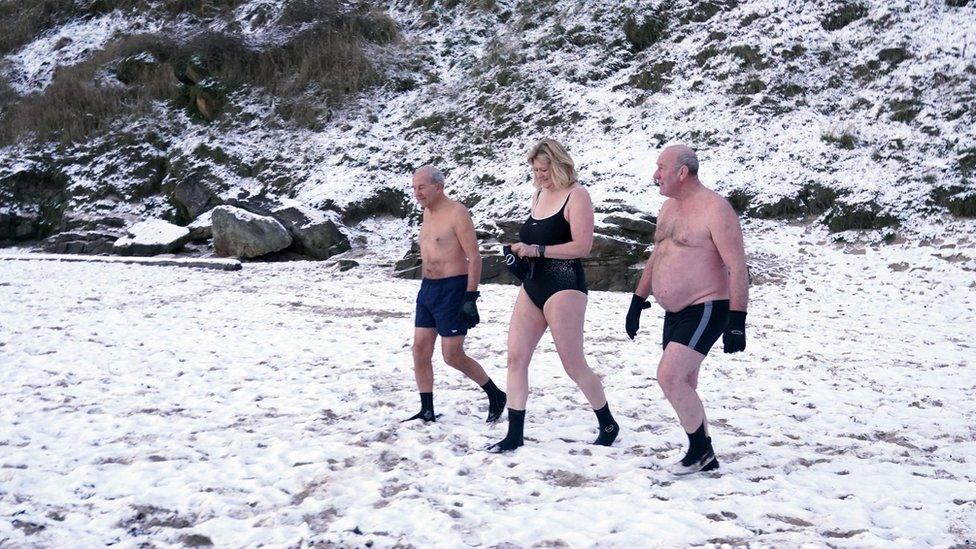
(468, 315)
(734, 338)
(520, 267)
(637, 304)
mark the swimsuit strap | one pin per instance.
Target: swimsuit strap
(567, 200)
(535, 201)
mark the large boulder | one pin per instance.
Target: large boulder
(152, 237)
(315, 234)
(240, 233)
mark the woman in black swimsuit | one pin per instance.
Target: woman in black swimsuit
(558, 232)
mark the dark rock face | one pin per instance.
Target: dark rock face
(315, 235)
(240, 233)
(83, 242)
(640, 228)
(614, 262)
(609, 265)
(387, 201)
(194, 196)
(34, 200)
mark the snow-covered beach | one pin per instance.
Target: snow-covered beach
(166, 405)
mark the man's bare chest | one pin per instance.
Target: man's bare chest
(683, 232)
(438, 235)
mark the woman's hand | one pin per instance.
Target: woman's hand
(525, 250)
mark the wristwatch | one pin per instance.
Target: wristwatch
(542, 250)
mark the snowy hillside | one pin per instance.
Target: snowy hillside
(858, 115)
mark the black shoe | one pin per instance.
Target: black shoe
(608, 434)
(504, 445)
(426, 415)
(689, 464)
(495, 412)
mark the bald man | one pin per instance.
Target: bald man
(446, 303)
(697, 273)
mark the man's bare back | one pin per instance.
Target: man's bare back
(686, 266)
(441, 253)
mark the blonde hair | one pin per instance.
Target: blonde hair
(563, 169)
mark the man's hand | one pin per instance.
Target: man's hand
(637, 304)
(734, 338)
(468, 314)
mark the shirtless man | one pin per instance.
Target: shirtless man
(446, 306)
(697, 273)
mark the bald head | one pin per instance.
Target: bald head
(682, 155)
(431, 174)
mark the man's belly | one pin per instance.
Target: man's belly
(683, 277)
(443, 267)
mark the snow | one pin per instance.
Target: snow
(155, 231)
(260, 406)
(161, 260)
(31, 68)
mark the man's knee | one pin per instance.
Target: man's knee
(669, 379)
(423, 350)
(454, 356)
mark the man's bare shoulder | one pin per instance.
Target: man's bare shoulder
(459, 210)
(716, 204)
(458, 215)
(667, 207)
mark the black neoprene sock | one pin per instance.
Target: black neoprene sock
(426, 408)
(608, 427)
(516, 424)
(698, 445)
(496, 401)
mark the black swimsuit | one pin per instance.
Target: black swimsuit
(551, 275)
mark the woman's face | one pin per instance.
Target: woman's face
(541, 170)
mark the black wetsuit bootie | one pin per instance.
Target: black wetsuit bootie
(516, 424)
(700, 455)
(426, 409)
(608, 427)
(496, 401)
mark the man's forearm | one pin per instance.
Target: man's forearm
(474, 272)
(644, 284)
(739, 290)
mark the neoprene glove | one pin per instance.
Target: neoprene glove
(637, 304)
(734, 338)
(520, 267)
(468, 314)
